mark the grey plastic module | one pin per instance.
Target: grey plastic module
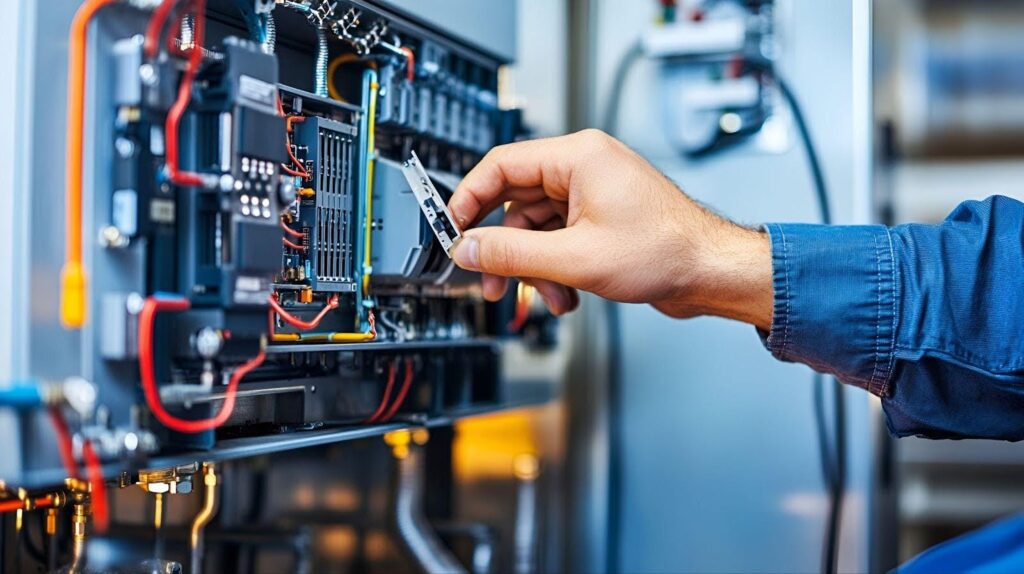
(431, 204)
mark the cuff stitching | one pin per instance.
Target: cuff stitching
(878, 314)
(788, 295)
(887, 373)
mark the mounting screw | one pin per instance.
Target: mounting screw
(111, 237)
(148, 74)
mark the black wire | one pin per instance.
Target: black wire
(817, 174)
(834, 469)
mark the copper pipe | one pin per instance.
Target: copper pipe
(205, 515)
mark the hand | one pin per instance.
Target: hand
(586, 212)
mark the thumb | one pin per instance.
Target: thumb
(511, 252)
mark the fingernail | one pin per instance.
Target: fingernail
(467, 254)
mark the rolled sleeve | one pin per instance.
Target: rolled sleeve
(836, 300)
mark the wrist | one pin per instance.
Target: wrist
(736, 264)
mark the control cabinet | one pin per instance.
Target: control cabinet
(244, 258)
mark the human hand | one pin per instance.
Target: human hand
(586, 212)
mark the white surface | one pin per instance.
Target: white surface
(695, 38)
(538, 79)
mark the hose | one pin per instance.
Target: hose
(414, 531)
(322, 57)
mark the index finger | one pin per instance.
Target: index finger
(545, 164)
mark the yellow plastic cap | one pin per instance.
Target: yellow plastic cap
(72, 296)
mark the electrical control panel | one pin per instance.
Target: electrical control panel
(233, 265)
(268, 183)
(717, 84)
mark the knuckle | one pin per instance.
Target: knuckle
(595, 141)
(507, 257)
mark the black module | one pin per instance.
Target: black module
(227, 235)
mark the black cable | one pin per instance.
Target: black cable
(817, 174)
(835, 469)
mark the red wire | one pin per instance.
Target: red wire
(184, 96)
(290, 231)
(156, 26)
(67, 453)
(146, 318)
(400, 398)
(392, 371)
(291, 245)
(294, 321)
(98, 489)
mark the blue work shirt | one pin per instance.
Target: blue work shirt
(928, 317)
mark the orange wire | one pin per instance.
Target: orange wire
(410, 63)
(287, 229)
(45, 501)
(291, 245)
(73, 280)
(300, 169)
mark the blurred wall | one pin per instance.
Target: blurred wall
(721, 470)
(950, 100)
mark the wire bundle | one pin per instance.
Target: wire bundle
(384, 413)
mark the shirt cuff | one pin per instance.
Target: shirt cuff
(835, 301)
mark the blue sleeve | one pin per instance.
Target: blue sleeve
(928, 317)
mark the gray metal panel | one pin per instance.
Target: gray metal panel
(397, 253)
(489, 25)
(15, 99)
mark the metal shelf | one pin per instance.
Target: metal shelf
(524, 394)
(380, 346)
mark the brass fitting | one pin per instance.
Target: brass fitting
(206, 513)
(80, 511)
(174, 480)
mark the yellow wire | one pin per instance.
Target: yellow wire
(332, 69)
(371, 145)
